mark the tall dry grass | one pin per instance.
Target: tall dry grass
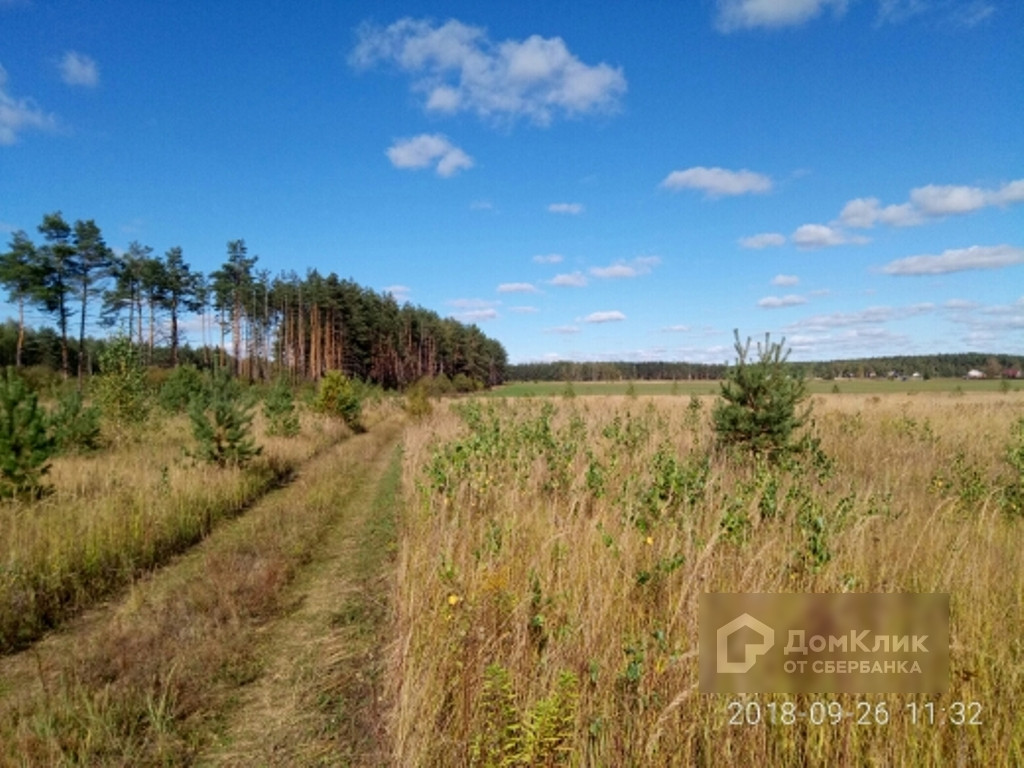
(553, 553)
(116, 514)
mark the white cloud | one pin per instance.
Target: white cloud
(871, 316)
(676, 329)
(472, 303)
(17, 115)
(79, 69)
(476, 315)
(865, 212)
(524, 310)
(960, 304)
(785, 280)
(962, 13)
(957, 260)
(747, 14)
(575, 279)
(929, 202)
(820, 236)
(563, 329)
(898, 11)
(400, 292)
(775, 302)
(718, 182)
(572, 209)
(548, 258)
(763, 240)
(422, 151)
(641, 265)
(518, 288)
(612, 316)
(459, 68)
(971, 14)
(481, 205)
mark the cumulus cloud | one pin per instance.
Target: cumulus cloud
(957, 260)
(17, 115)
(865, 212)
(676, 328)
(563, 329)
(785, 280)
(811, 236)
(525, 310)
(518, 288)
(932, 201)
(718, 182)
(612, 316)
(79, 69)
(575, 279)
(763, 240)
(749, 14)
(572, 209)
(775, 302)
(457, 67)
(548, 258)
(641, 265)
(427, 149)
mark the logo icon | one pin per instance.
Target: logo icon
(751, 651)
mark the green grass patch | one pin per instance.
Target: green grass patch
(711, 387)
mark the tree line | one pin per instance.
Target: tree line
(951, 365)
(252, 324)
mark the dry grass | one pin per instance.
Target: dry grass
(114, 515)
(553, 553)
(152, 679)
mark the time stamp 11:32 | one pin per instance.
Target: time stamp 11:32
(965, 713)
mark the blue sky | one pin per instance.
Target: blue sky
(629, 184)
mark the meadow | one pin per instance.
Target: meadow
(909, 387)
(503, 581)
(553, 552)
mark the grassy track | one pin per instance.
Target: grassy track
(318, 701)
(154, 678)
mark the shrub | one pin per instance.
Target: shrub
(25, 443)
(222, 426)
(464, 384)
(337, 396)
(75, 427)
(279, 409)
(417, 403)
(179, 388)
(438, 386)
(121, 389)
(759, 402)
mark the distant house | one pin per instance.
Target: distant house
(974, 373)
(916, 375)
(1011, 373)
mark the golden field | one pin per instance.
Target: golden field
(553, 552)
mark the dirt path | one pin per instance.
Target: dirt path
(258, 647)
(318, 701)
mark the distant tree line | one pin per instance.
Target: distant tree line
(928, 366)
(250, 323)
